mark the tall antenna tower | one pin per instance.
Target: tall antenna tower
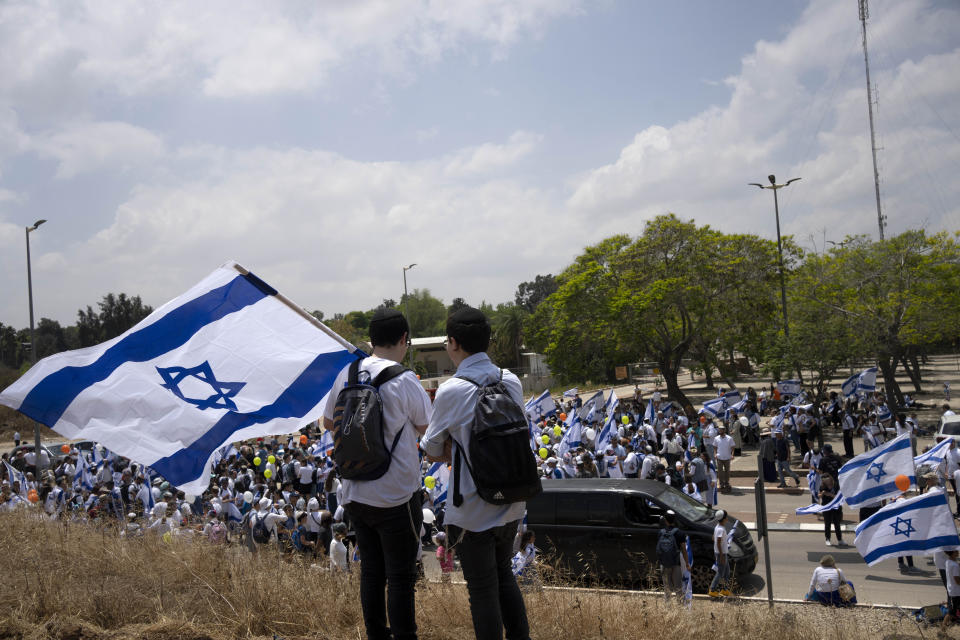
(864, 14)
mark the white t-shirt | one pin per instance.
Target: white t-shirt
(630, 464)
(724, 447)
(338, 555)
(405, 405)
(953, 572)
(720, 535)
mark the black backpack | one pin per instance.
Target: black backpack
(359, 450)
(501, 463)
(668, 554)
(260, 533)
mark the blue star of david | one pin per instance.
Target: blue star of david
(875, 472)
(908, 527)
(222, 391)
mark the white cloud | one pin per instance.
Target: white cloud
(490, 157)
(82, 147)
(699, 167)
(241, 48)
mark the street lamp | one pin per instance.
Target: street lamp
(33, 347)
(406, 309)
(776, 208)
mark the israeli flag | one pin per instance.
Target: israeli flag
(813, 482)
(789, 387)
(230, 359)
(612, 401)
(82, 478)
(571, 393)
(883, 413)
(233, 513)
(572, 438)
(605, 437)
(325, 444)
(849, 386)
(442, 478)
(714, 407)
(589, 408)
(867, 380)
(820, 508)
(17, 476)
(920, 525)
(145, 496)
(871, 476)
(541, 406)
(935, 456)
(649, 413)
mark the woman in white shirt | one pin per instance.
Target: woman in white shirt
(825, 583)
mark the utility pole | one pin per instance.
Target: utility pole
(33, 350)
(864, 14)
(406, 312)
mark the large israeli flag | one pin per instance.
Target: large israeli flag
(228, 360)
(849, 386)
(572, 437)
(539, 407)
(820, 508)
(605, 437)
(612, 402)
(649, 413)
(920, 525)
(871, 476)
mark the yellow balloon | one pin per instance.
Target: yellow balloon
(167, 537)
(271, 459)
(624, 419)
(429, 482)
(544, 453)
(545, 439)
(256, 461)
(267, 473)
(557, 431)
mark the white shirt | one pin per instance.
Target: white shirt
(720, 535)
(453, 409)
(338, 555)
(826, 579)
(953, 572)
(630, 464)
(724, 447)
(952, 460)
(405, 405)
(649, 461)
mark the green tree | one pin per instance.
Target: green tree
(117, 314)
(530, 294)
(456, 305)
(507, 336)
(427, 315)
(50, 337)
(893, 295)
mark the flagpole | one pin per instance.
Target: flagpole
(760, 495)
(303, 313)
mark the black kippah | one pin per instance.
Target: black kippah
(468, 316)
(385, 313)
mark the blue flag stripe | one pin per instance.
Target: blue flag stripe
(877, 492)
(910, 545)
(187, 464)
(927, 502)
(879, 451)
(49, 398)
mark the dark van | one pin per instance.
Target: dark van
(605, 530)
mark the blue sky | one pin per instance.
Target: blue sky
(325, 144)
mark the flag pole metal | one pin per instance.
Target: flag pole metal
(303, 313)
(760, 495)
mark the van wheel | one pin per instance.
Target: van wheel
(701, 576)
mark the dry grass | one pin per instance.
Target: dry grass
(74, 582)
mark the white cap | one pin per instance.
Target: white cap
(265, 503)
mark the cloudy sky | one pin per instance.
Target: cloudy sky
(325, 144)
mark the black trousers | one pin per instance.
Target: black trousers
(834, 517)
(848, 442)
(496, 603)
(388, 540)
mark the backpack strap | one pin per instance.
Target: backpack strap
(354, 371)
(388, 374)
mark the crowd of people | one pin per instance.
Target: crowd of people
(287, 492)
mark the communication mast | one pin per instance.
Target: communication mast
(864, 14)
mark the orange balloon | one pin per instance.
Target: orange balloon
(563, 417)
(902, 482)
(33, 497)
(65, 448)
(303, 439)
